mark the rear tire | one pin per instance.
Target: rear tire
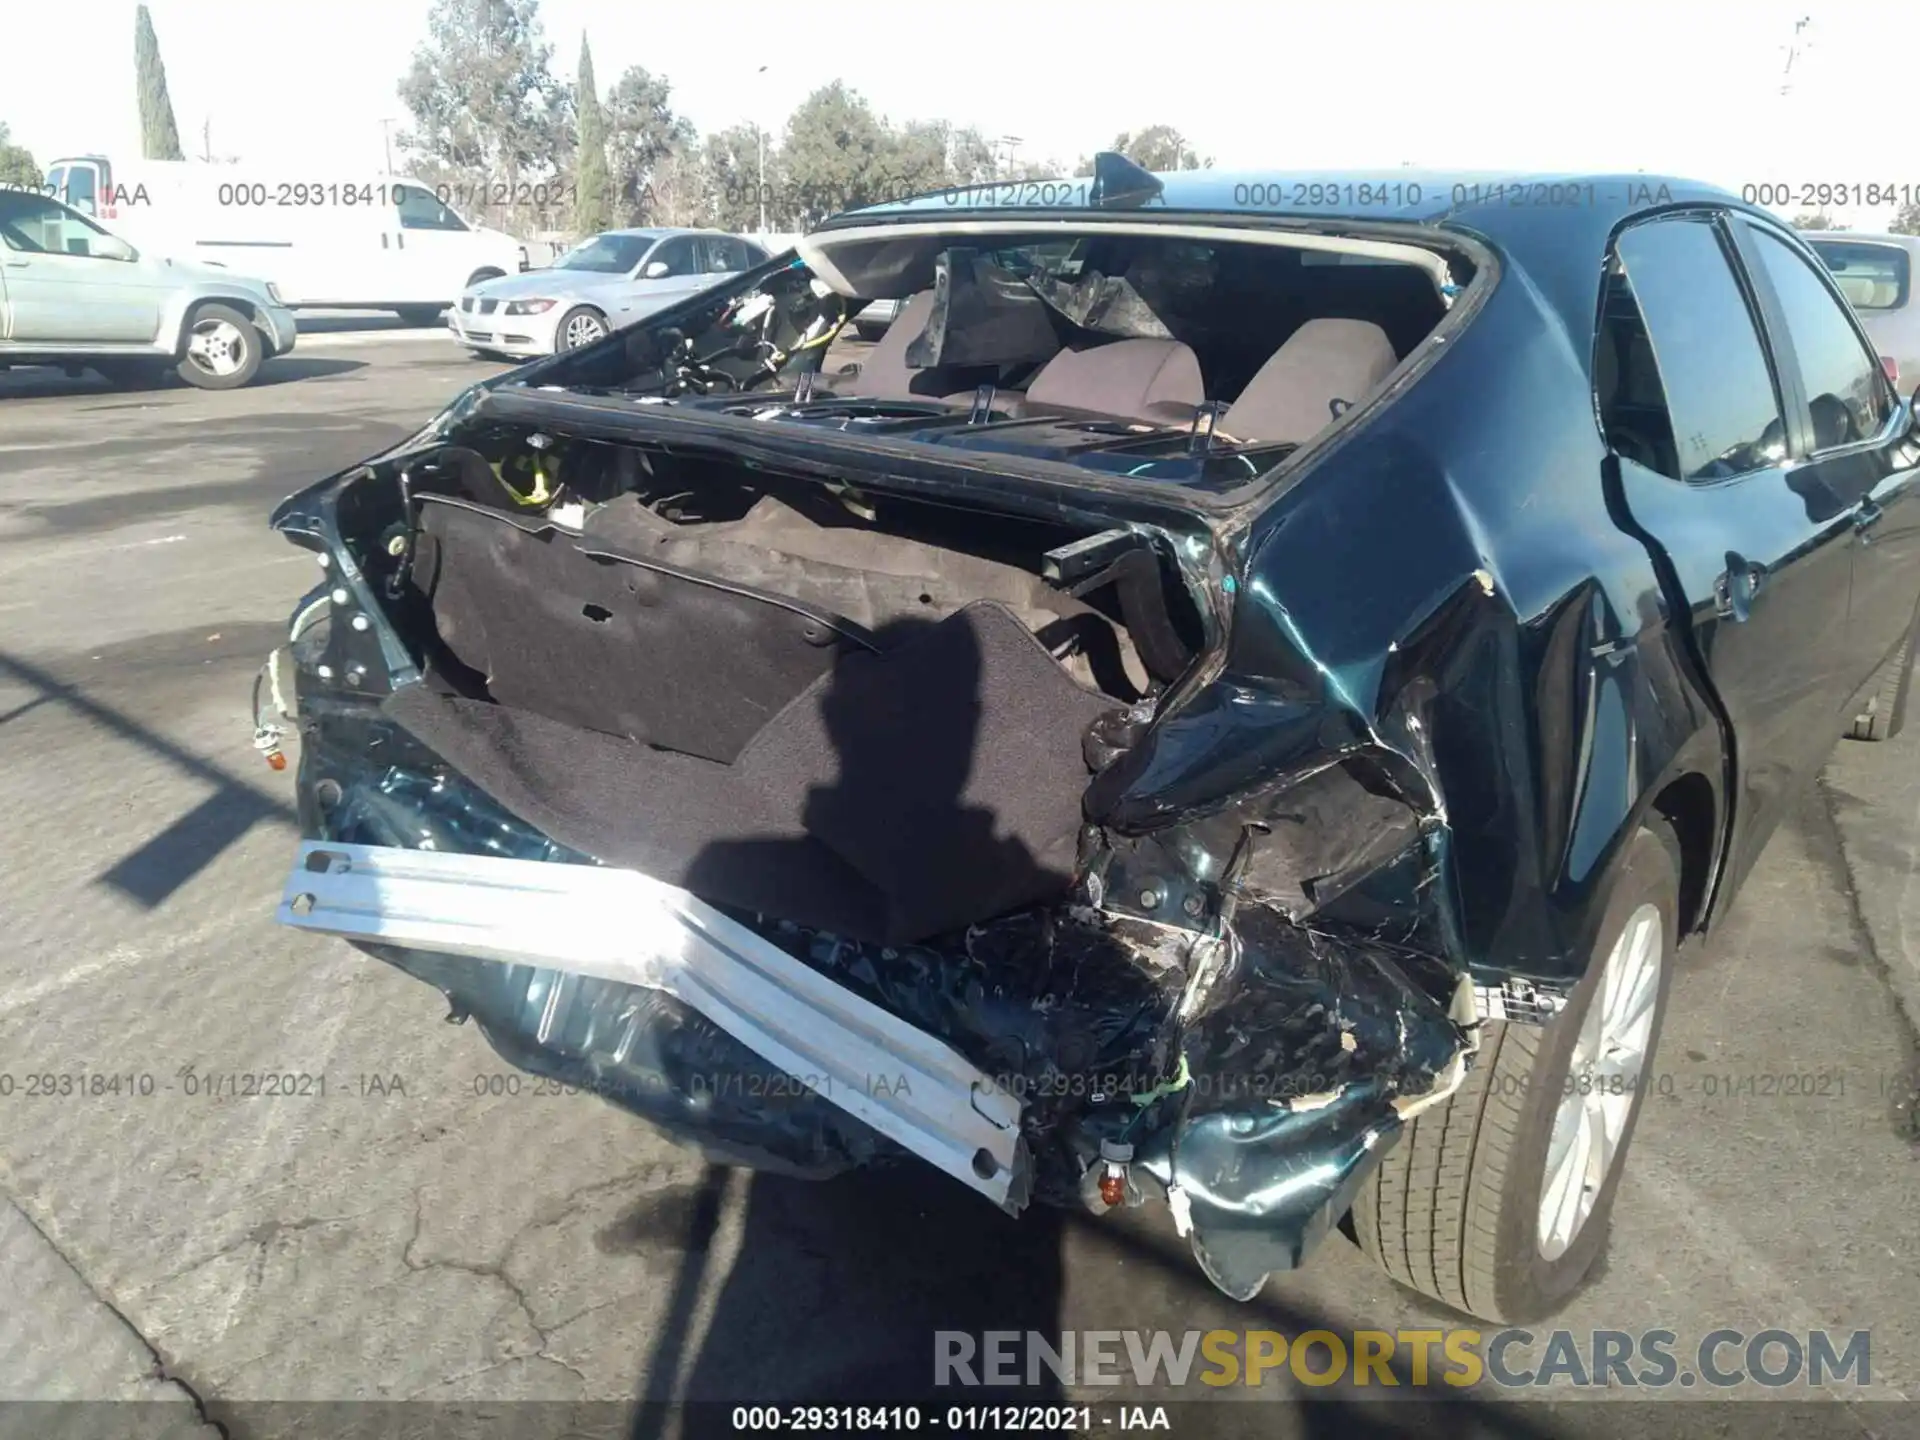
(1885, 709)
(1454, 1210)
(224, 351)
(420, 316)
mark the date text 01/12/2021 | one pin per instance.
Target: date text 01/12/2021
(953, 1419)
(193, 1084)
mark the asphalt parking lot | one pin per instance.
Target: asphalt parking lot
(408, 1235)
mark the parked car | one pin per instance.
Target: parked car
(329, 241)
(602, 284)
(1875, 273)
(1213, 726)
(74, 295)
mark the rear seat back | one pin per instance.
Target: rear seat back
(885, 374)
(1290, 398)
(1155, 380)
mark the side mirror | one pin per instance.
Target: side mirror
(655, 269)
(101, 247)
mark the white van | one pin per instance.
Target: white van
(362, 242)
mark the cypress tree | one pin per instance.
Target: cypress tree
(159, 137)
(592, 207)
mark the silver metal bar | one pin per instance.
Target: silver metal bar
(624, 926)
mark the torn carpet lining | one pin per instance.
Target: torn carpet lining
(895, 796)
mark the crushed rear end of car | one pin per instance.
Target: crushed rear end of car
(830, 776)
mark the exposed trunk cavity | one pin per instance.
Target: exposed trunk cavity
(851, 711)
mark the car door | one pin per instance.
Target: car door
(674, 269)
(1704, 454)
(433, 251)
(69, 281)
(1860, 442)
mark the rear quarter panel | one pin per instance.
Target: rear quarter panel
(1450, 585)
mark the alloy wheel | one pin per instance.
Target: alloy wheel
(1603, 1080)
(583, 330)
(217, 346)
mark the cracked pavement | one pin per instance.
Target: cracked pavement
(417, 1221)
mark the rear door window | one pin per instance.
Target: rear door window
(1705, 347)
(725, 255)
(1848, 397)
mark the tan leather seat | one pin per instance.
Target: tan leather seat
(1152, 380)
(884, 374)
(1291, 398)
(1859, 289)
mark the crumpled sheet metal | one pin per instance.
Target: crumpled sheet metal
(1261, 1107)
(1295, 1066)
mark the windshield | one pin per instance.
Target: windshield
(608, 254)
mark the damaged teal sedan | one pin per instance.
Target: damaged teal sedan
(1233, 703)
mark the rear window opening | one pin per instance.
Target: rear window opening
(1143, 353)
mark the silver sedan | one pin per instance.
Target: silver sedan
(602, 284)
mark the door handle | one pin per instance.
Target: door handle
(1735, 588)
(1866, 515)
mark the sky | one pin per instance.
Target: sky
(1688, 87)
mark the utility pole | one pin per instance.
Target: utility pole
(386, 139)
(206, 139)
(1794, 48)
(760, 143)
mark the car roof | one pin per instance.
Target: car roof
(1555, 226)
(1478, 199)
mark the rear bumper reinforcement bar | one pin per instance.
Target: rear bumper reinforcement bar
(624, 926)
